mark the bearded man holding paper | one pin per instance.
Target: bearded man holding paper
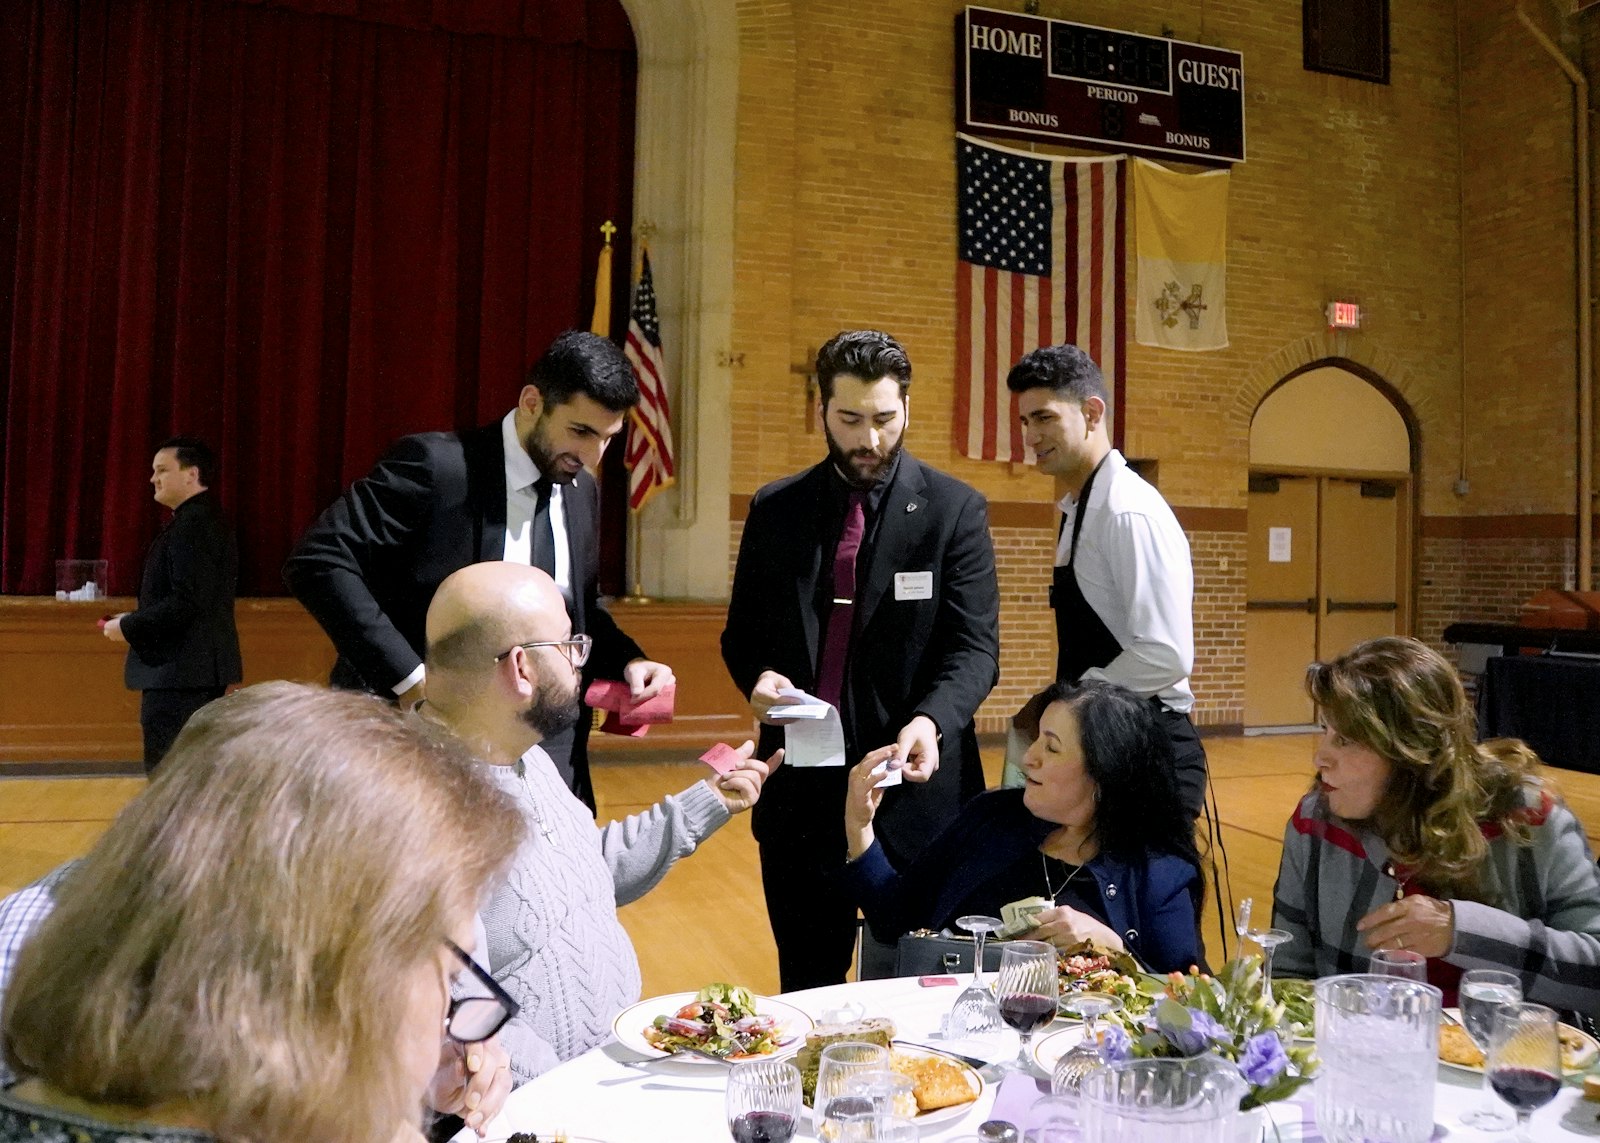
(867, 581)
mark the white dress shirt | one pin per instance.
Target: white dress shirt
(521, 504)
(1133, 568)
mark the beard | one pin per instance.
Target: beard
(542, 453)
(552, 710)
(862, 468)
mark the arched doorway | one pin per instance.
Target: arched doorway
(1330, 531)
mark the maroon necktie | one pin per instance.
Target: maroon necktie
(836, 644)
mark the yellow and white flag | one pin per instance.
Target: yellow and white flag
(1182, 228)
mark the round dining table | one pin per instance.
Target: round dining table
(615, 1094)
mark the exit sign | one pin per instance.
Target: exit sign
(1344, 315)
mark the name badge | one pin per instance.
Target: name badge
(913, 585)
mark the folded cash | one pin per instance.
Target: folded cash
(1018, 917)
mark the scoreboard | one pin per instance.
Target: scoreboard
(1030, 77)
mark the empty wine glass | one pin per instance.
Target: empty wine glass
(1241, 920)
(1404, 963)
(975, 1013)
(1027, 985)
(1483, 993)
(1268, 939)
(1525, 1060)
(1084, 1056)
(763, 1101)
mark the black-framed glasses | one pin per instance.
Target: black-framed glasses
(474, 1016)
(576, 648)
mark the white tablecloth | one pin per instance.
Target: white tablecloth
(599, 1096)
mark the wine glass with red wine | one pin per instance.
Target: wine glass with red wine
(763, 1101)
(1525, 1060)
(1026, 987)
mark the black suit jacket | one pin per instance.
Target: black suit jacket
(183, 634)
(937, 656)
(436, 502)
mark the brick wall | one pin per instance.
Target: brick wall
(1452, 182)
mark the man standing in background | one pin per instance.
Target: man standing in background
(183, 648)
(516, 489)
(869, 581)
(1123, 588)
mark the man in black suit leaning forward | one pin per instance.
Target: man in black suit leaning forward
(183, 647)
(869, 581)
(516, 489)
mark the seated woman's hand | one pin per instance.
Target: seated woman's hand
(1064, 926)
(862, 798)
(1422, 924)
(473, 1081)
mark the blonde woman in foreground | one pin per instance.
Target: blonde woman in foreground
(262, 947)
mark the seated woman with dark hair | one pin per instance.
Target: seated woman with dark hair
(262, 947)
(1098, 828)
(1416, 836)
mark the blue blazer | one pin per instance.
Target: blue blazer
(1151, 903)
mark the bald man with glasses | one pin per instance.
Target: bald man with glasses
(503, 673)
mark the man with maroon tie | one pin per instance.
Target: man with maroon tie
(867, 580)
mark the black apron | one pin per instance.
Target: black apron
(1083, 640)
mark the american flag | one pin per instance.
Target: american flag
(1040, 263)
(649, 456)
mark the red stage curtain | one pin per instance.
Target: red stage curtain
(297, 228)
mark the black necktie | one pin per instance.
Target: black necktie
(544, 536)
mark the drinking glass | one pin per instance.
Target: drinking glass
(834, 1103)
(763, 1101)
(1378, 1042)
(1483, 993)
(891, 1093)
(1525, 1060)
(1404, 963)
(1027, 985)
(975, 1012)
(1241, 920)
(879, 1129)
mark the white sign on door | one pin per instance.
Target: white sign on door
(1279, 543)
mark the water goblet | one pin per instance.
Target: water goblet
(1027, 985)
(1483, 993)
(1404, 963)
(975, 1013)
(840, 1063)
(1084, 1056)
(1268, 939)
(763, 1101)
(1524, 1063)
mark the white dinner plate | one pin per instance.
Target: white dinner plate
(629, 1027)
(943, 1115)
(547, 1137)
(1048, 1049)
(1579, 1050)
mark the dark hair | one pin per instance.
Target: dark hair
(192, 452)
(1128, 755)
(865, 353)
(579, 362)
(1065, 370)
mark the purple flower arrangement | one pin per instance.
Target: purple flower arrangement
(1227, 1015)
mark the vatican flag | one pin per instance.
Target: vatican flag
(1182, 229)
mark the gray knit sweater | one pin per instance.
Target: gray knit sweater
(554, 941)
(1544, 924)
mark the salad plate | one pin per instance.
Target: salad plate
(629, 1027)
(1048, 1049)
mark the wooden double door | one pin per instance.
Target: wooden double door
(1329, 558)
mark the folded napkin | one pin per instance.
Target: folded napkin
(1016, 1096)
(623, 714)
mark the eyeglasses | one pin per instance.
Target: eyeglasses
(476, 1017)
(576, 648)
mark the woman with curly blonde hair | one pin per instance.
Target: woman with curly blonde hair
(1417, 836)
(262, 946)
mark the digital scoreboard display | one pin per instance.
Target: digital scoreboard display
(1029, 77)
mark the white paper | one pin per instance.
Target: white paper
(1279, 543)
(913, 585)
(889, 772)
(809, 739)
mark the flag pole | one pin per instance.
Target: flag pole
(635, 526)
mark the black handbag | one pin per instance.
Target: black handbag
(927, 953)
